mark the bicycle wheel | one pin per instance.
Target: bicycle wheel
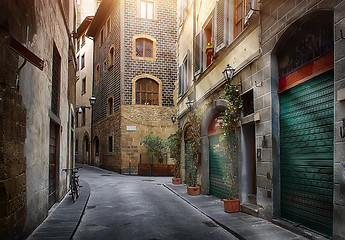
(73, 191)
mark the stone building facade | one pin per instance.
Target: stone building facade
(134, 77)
(288, 57)
(37, 100)
(84, 55)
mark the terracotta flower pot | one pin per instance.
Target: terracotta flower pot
(231, 205)
(193, 190)
(209, 51)
(176, 180)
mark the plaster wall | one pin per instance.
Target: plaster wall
(36, 92)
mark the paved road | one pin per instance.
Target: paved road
(133, 207)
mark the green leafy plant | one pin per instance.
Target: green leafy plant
(229, 138)
(209, 45)
(194, 137)
(174, 144)
(154, 144)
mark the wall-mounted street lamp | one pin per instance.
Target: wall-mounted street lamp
(228, 73)
(173, 118)
(190, 104)
(92, 100)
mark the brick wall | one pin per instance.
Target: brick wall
(164, 31)
(109, 83)
(110, 126)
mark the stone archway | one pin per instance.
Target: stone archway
(214, 108)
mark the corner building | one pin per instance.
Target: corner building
(134, 78)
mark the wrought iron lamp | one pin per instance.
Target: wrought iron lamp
(173, 118)
(228, 73)
(189, 104)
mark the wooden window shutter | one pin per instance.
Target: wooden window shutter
(180, 80)
(187, 69)
(197, 54)
(221, 24)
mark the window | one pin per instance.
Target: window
(108, 26)
(98, 72)
(111, 56)
(146, 9)
(248, 106)
(208, 39)
(101, 38)
(76, 146)
(96, 146)
(83, 86)
(82, 64)
(146, 92)
(238, 17)
(144, 48)
(83, 40)
(78, 45)
(110, 144)
(184, 76)
(77, 63)
(110, 106)
(184, 4)
(55, 94)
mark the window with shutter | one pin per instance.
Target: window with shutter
(197, 54)
(184, 75)
(238, 17)
(221, 24)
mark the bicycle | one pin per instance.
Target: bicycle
(73, 183)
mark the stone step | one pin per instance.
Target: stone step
(252, 198)
(250, 208)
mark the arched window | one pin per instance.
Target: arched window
(110, 106)
(144, 48)
(96, 140)
(98, 71)
(111, 57)
(146, 92)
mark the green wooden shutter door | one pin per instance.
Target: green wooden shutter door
(306, 153)
(217, 163)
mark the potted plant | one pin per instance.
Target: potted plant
(174, 144)
(193, 132)
(209, 49)
(154, 145)
(230, 119)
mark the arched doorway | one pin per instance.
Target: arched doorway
(86, 150)
(304, 58)
(218, 158)
(96, 151)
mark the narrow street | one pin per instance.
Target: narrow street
(134, 207)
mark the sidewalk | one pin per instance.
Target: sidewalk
(64, 220)
(241, 225)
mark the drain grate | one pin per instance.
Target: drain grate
(105, 175)
(210, 224)
(91, 207)
(147, 180)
